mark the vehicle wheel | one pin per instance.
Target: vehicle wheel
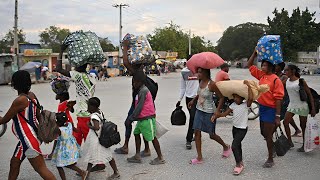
(3, 129)
(253, 111)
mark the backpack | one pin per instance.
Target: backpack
(315, 95)
(109, 135)
(48, 129)
(153, 87)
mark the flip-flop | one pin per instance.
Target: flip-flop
(144, 154)
(268, 164)
(120, 151)
(237, 170)
(114, 176)
(195, 161)
(227, 153)
(157, 161)
(133, 159)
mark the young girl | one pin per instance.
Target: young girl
(204, 113)
(93, 152)
(67, 151)
(66, 107)
(240, 127)
(296, 106)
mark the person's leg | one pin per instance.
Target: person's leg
(128, 125)
(15, 164)
(192, 113)
(238, 136)
(156, 146)
(77, 169)
(114, 166)
(303, 124)
(197, 134)
(294, 125)
(268, 130)
(61, 173)
(287, 119)
(40, 167)
(138, 145)
(220, 141)
(146, 151)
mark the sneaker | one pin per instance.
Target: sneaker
(188, 146)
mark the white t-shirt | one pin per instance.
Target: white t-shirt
(240, 115)
(85, 88)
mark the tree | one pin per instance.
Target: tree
(53, 37)
(172, 38)
(7, 41)
(106, 45)
(239, 41)
(299, 32)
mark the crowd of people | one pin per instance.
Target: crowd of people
(199, 91)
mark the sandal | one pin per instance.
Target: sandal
(195, 161)
(301, 149)
(227, 153)
(157, 161)
(114, 176)
(120, 151)
(237, 170)
(268, 164)
(133, 159)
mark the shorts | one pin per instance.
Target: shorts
(202, 122)
(147, 128)
(267, 114)
(20, 154)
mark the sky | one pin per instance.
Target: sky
(208, 18)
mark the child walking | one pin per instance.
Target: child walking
(67, 151)
(66, 107)
(145, 114)
(93, 152)
(240, 128)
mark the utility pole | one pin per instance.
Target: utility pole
(190, 42)
(15, 40)
(120, 6)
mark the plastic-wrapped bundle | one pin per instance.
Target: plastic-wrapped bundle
(206, 60)
(60, 84)
(83, 48)
(139, 50)
(269, 49)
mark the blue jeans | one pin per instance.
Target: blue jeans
(128, 123)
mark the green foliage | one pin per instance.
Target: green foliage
(299, 32)
(239, 41)
(7, 41)
(172, 38)
(53, 37)
(107, 45)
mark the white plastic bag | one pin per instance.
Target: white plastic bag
(161, 130)
(311, 140)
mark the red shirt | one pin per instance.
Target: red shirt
(276, 91)
(64, 108)
(222, 76)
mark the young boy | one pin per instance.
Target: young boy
(240, 127)
(144, 113)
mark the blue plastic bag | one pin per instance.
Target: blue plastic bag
(269, 49)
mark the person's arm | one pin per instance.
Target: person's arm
(141, 99)
(182, 91)
(250, 93)
(252, 58)
(59, 62)
(95, 125)
(218, 115)
(17, 106)
(307, 89)
(126, 62)
(214, 88)
(194, 100)
(278, 94)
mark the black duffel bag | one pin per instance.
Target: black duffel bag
(178, 117)
(282, 144)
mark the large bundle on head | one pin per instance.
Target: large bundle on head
(140, 51)
(60, 84)
(269, 49)
(205, 60)
(228, 88)
(84, 48)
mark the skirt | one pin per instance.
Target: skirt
(202, 122)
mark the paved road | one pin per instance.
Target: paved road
(115, 98)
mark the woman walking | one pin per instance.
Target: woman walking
(205, 112)
(296, 106)
(25, 115)
(270, 102)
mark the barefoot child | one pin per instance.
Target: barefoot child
(93, 152)
(67, 151)
(144, 113)
(240, 127)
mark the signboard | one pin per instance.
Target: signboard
(37, 52)
(23, 46)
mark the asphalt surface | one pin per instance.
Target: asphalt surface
(115, 96)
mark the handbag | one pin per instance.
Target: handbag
(160, 129)
(302, 92)
(282, 144)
